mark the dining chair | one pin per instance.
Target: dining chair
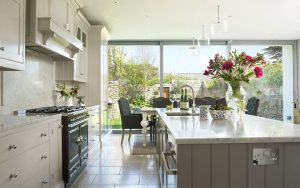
(252, 106)
(129, 120)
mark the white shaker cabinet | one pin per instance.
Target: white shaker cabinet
(62, 12)
(55, 154)
(12, 34)
(77, 71)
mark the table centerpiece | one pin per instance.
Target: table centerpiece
(236, 69)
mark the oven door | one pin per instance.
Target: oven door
(84, 138)
(74, 142)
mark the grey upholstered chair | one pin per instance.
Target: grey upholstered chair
(129, 120)
(252, 106)
(161, 102)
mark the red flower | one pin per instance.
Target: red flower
(227, 65)
(206, 73)
(249, 58)
(258, 72)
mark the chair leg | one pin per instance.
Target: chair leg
(129, 135)
(123, 131)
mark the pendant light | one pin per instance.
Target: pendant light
(220, 26)
(194, 50)
(205, 40)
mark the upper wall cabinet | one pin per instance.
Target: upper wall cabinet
(63, 14)
(76, 71)
(12, 35)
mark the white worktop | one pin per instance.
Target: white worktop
(10, 122)
(252, 129)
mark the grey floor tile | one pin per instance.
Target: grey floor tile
(85, 179)
(101, 170)
(149, 179)
(117, 179)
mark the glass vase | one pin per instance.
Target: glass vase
(235, 97)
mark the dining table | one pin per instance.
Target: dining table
(144, 123)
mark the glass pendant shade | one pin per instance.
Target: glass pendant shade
(219, 26)
(194, 50)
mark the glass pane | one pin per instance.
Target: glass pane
(275, 88)
(182, 68)
(78, 33)
(133, 74)
(84, 39)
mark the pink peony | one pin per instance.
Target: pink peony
(206, 73)
(227, 65)
(258, 72)
(249, 58)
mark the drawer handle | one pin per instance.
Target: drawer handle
(43, 134)
(44, 157)
(15, 175)
(81, 74)
(44, 182)
(2, 48)
(10, 147)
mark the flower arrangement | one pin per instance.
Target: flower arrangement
(237, 68)
(67, 92)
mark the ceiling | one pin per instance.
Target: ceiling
(183, 19)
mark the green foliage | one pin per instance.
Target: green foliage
(212, 84)
(273, 75)
(139, 102)
(220, 107)
(274, 52)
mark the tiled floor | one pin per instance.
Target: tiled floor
(113, 166)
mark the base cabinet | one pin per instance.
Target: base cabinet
(38, 165)
(55, 155)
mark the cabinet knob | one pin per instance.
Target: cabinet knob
(44, 157)
(81, 74)
(59, 126)
(10, 147)
(43, 134)
(14, 175)
(44, 182)
(2, 48)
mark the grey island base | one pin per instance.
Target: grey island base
(251, 153)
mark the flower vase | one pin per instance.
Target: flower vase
(235, 97)
(66, 101)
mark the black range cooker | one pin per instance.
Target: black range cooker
(74, 138)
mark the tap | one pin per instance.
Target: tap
(194, 104)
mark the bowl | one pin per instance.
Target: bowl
(220, 114)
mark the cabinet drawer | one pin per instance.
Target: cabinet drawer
(39, 180)
(14, 144)
(20, 169)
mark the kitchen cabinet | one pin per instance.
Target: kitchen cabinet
(62, 12)
(77, 71)
(56, 154)
(94, 124)
(12, 35)
(31, 155)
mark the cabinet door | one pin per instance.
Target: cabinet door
(71, 19)
(55, 154)
(12, 31)
(59, 12)
(83, 64)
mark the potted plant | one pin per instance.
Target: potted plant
(220, 111)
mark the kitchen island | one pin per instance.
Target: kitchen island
(253, 152)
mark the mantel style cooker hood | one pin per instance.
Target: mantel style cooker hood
(43, 35)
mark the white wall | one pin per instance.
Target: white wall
(31, 88)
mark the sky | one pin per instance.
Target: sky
(177, 59)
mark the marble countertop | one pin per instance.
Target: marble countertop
(252, 129)
(9, 122)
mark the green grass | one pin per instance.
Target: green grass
(116, 123)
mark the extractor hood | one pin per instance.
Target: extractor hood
(45, 36)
